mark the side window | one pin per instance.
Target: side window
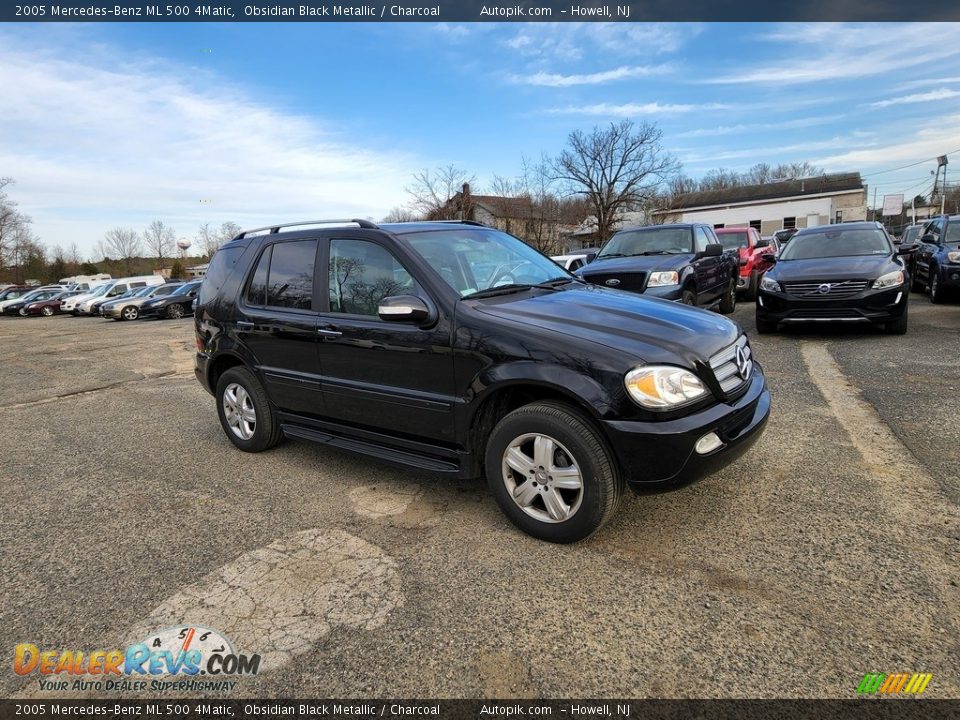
(361, 273)
(701, 240)
(576, 265)
(257, 289)
(290, 282)
(117, 290)
(221, 268)
(138, 284)
(934, 229)
(162, 291)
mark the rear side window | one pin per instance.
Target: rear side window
(221, 268)
(284, 276)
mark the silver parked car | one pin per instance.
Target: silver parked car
(128, 308)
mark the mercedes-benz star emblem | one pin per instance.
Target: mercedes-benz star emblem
(743, 363)
(613, 282)
(824, 289)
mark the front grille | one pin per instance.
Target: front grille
(631, 281)
(727, 371)
(825, 313)
(826, 290)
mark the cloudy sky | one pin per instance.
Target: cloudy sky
(108, 125)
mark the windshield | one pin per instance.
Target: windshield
(658, 241)
(479, 259)
(829, 243)
(953, 232)
(100, 290)
(733, 240)
(142, 292)
(910, 234)
(184, 289)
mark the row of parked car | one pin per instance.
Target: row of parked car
(120, 299)
(846, 273)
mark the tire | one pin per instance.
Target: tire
(22, 312)
(765, 327)
(46, 311)
(175, 311)
(898, 326)
(239, 389)
(728, 303)
(688, 297)
(916, 284)
(751, 292)
(937, 294)
(577, 512)
(130, 312)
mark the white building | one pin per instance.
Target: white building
(804, 202)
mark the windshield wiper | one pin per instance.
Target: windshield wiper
(519, 287)
(610, 255)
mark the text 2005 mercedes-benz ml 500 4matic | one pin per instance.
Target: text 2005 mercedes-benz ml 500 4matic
(457, 349)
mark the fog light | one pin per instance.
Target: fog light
(707, 444)
(897, 301)
(760, 300)
(955, 276)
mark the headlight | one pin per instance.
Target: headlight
(769, 285)
(659, 279)
(953, 256)
(891, 279)
(662, 386)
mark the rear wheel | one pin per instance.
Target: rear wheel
(751, 292)
(728, 303)
(245, 413)
(175, 311)
(23, 312)
(551, 473)
(130, 312)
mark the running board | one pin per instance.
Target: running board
(387, 454)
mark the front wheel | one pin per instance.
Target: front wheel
(728, 303)
(175, 311)
(765, 327)
(751, 291)
(551, 473)
(245, 412)
(898, 326)
(131, 312)
(47, 311)
(936, 289)
(688, 297)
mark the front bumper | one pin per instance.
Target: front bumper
(660, 456)
(870, 306)
(664, 292)
(949, 275)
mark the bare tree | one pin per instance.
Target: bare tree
(12, 224)
(122, 244)
(208, 239)
(617, 168)
(400, 214)
(430, 192)
(228, 231)
(160, 240)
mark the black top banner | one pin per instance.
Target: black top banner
(480, 11)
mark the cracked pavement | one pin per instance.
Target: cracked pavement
(829, 550)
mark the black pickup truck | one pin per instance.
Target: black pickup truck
(682, 261)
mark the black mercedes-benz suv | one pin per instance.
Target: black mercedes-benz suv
(682, 261)
(458, 349)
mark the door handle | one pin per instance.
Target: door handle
(326, 332)
(244, 325)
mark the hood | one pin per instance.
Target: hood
(636, 263)
(865, 267)
(647, 329)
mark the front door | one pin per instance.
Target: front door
(395, 377)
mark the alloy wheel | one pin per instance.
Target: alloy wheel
(542, 477)
(175, 311)
(48, 311)
(239, 411)
(130, 313)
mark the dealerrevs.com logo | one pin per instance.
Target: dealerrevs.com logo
(894, 683)
(171, 659)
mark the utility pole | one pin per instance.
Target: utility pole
(874, 202)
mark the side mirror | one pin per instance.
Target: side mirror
(713, 250)
(906, 249)
(763, 242)
(591, 257)
(403, 308)
(769, 257)
(929, 238)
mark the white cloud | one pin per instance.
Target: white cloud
(628, 110)
(572, 41)
(924, 82)
(794, 124)
(856, 140)
(545, 79)
(95, 146)
(933, 95)
(815, 52)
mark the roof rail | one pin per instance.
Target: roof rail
(276, 228)
(459, 222)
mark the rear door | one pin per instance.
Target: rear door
(391, 376)
(278, 324)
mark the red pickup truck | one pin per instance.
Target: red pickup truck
(751, 247)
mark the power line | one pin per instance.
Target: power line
(904, 167)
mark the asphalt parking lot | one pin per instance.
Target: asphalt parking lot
(830, 550)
